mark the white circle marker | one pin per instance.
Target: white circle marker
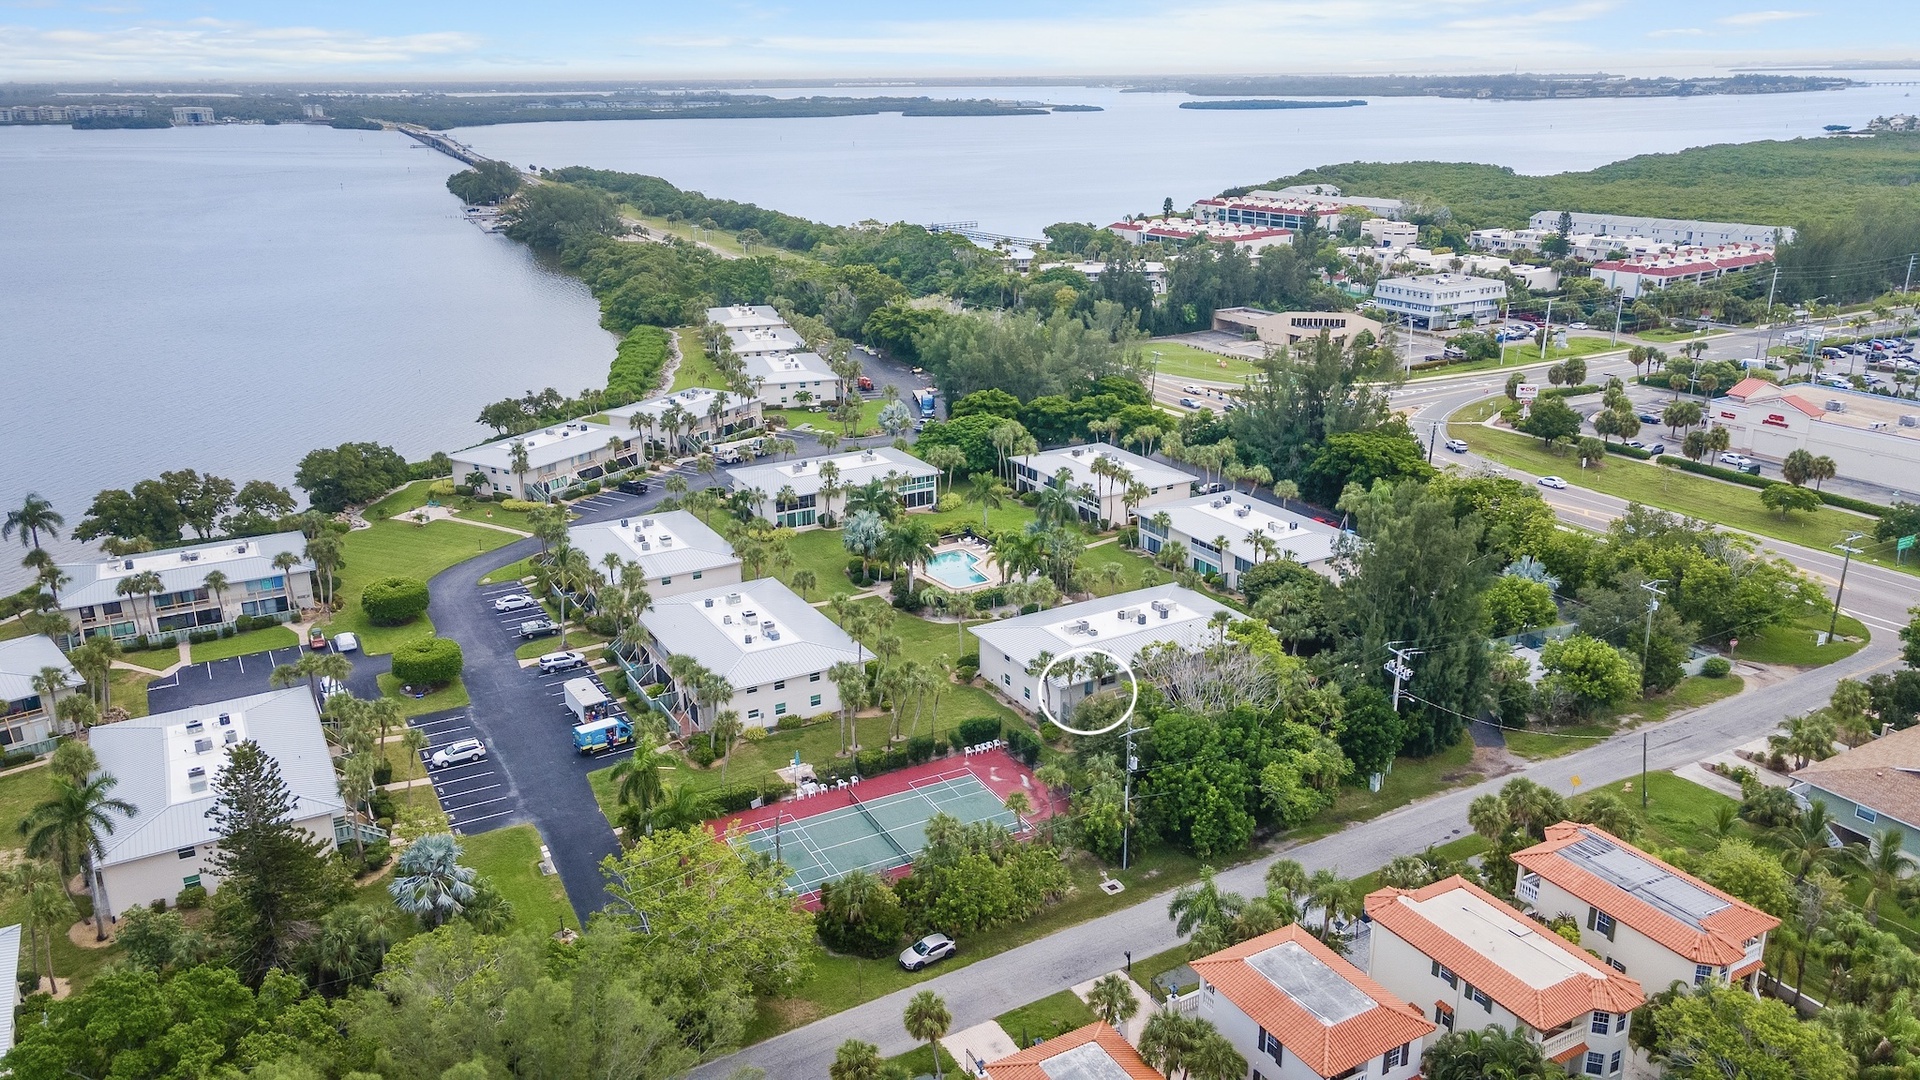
(1124, 666)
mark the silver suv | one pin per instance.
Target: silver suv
(927, 950)
(561, 661)
(458, 753)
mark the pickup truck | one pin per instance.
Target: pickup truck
(602, 735)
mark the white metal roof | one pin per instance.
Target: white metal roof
(1079, 460)
(1238, 517)
(20, 662)
(245, 559)
(1304, 977)
(766, 339)
(856, 468)
(780, 368)
(545, 446)
(694, 400)
(744, 316)
(662, 544)
(165, 765)
(752, 633)
(1164, 613)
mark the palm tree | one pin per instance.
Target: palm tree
(909, 543)
(927, 1019)
(216, 583)
(428, 881)
(856, 1060)
(35, 516)
(683, 806)
(414, 740)
(49, 910)
(1477, 1055)
(323, 551)
(850, 679)
(1213, 1056)
(1167, 1040)
(1886, 865)
(314, 668)
(47, 684)
(1808, 843)
(68, 828)
(1112, 999)
(517, 461)
(146, 583)
(803, 581)
(726, 728)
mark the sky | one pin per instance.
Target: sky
(43, 40)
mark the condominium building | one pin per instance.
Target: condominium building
(165, 765)
(1440, 301)
(1289, 209)
(264, 576)
(26, 713)
(760, 340)
(1013, 651)
(1230, 533)
(797, 494)
(1103, 497)
(1650, 273)
(1297, 1010)
(675, 551)
(1641, 916)
(773, 649)
(1459, 950)
(745, 317)
(557, 458)
(781, 378)
(1589, 247)
(685, 420)
(1669, 230)
(1251, 238)
(1388, 235)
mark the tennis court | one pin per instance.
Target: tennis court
(881, 834)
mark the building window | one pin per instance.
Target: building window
(1270, 1046)
(1701, 973)
(1613, 1063)
(814, 702)
(1865, 814)
(1596, 1063)
(1601, 1024)
(1027, 692)
(780, 684)
(780, 708)
(190, 881)
(1616, 965)
(187, 852)
(1007, 680)
(753, 714)
(815, 677)
(666, 581)
(1480, 998)
(698, 574)
(1444, 975)
(1443, 1016)
(1620, 1023)
(1396, 1057)
(1600, 922)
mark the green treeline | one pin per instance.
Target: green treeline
(637, 366)
(441, 113)
(1269, 103)
(1499, 87)
(654, 197)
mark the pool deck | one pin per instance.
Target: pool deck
(979, 553)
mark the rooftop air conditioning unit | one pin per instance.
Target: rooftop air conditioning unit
(645, 544)
(623, 523)
(1076, 452)
(195, 724)
(773, 635)
(1091, 632)
(1082, 626)
(1142, 619)
(1125, 614)
(240, 549)
(749, 639)
(202, 746)
(189, 556)
(645, 523)
(1910, 420)
(1216, 504)
(232, 737)
(749, 616)
(226, 720)
(128, 564)
(1243, 511)
(1292, 526)
(1164, 612)
(766, 624)
(726, 620)
(196, 772)
(1227, 498)
(709, 603)
(666, 541)
(733, 598)
(1836, 405)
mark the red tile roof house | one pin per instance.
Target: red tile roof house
(1645, 918)
(1094, 1052)
(1461, 952)
(1297, 1011)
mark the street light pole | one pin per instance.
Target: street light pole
(1846, 546)
(1653, 604)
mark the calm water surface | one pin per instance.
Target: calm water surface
(227, 299)
(1018, 174)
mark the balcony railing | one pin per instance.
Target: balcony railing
(1555, 1045)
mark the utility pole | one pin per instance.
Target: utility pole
(1767, 342)
(1126, 798)
(1619, 301)
(1546, 331)
(1846, 546)
(1908, 287)
(1653, 604)
(1397, 667)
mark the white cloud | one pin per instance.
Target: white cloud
(217, 47)
(1677, 31)
(1761, 18)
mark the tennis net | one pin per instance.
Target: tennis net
(877, 827)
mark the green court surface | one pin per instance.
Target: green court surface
(878, 834)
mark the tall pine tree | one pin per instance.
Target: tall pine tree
(275, 877)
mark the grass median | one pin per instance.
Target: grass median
(252, 641)
(391, 548)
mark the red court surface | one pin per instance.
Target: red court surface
(995, 768)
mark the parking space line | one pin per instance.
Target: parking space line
(489, 817)
(447, 793)
(474, 806)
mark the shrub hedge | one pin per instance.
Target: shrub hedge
(427, 661)
(394, 601)
(1734, 476)
(1624, 450)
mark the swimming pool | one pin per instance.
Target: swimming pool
(956, 569)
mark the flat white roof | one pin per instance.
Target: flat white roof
(1239, 517)
(545, 446)
(856, 468)
(661, 544)
(1078, 460)
(744, 316)
(1502, 935)
(247, 558)
(752, 633)
(1122, 624)
(765, 339)
(1304, 977)
(694, 400)
(788, 367)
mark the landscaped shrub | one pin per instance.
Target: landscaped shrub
(920, 748)
(428, 661)
(383, 772)
(1624, 450)
(977, 730)
(1733, 476)
(593, 487)
(518, 505)
(702, 753)
(1716, 667)
(787, 723)
(394, 601)
(191, 897)
(1024, 745)
(16, 757)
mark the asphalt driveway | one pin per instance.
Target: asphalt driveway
(239, 676)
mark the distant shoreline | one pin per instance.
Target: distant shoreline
(1270, 103)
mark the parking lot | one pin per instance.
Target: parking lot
(476, 795)
(238, 676)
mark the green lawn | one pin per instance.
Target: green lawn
(253, 641)
(821, 551)
(513, 571)
(1701, 497)
(510, 858)
(576, 639)
(1793, 644)
(128, 689)
(823, 420)
(1551, 742)
(1055, 1014)
(1411, 779)
(1011, 516)
(1517, 355)
(1669, 333)
(12, 628)
(408, 497)
(919, 1062)
(19, 794)
(392, 547)
(1548, 742)
(1693, 692)
(158, 659)
(1177, 360)
(695, 368)
(486, 513)
(726, 241)
(447, 697)
(1133, 567)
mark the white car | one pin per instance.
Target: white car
(1458, 446)
(927, 950)
(1192, 389)
(513, 602)
(1577, 326)
(458, 753)
(1738, 461)
(561, 661)
(1554, 482)
(346, 643)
